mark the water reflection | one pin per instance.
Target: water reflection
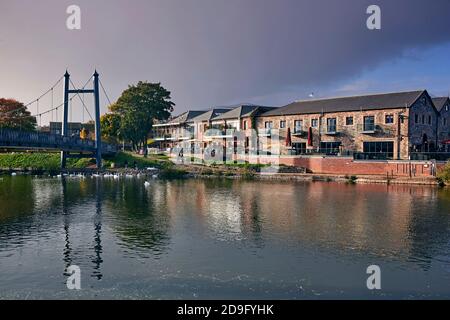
(141, 225)
(220, 229)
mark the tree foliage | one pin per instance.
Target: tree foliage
(110, 126)
(138, 107)
(14, 115)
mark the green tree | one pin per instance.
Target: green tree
(14, 115)
(139, 106)
(110, 126)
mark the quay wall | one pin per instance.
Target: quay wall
(349, 166)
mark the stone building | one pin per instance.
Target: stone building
(443, 106)
(380, 126)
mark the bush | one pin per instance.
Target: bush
(444, 175)
(121, 159)
(351, 180)
(248, 175)
(171, 173)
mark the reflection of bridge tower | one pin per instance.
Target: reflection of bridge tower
(70, 255)
(98, 248)
(65, 125)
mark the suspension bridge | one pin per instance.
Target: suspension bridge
(70, 146)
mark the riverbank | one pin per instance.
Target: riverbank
(131, 164)
(28, 162)
(296, 174)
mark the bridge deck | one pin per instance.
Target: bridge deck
(40, 140)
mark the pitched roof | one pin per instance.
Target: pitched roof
(241, 111)
(209, 115)
(354, 103)
(439, 102)
(187, 116)
(180, 119)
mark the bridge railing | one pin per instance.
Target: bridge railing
(33, 139)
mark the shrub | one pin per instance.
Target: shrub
(171, 173)
(444, 175)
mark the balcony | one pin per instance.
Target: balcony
(219, 133)
(163, 137)
(187, 135)
(299, 132)
(265, 132)
(330, 130)
(367, 128)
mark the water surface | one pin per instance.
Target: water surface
(202, 239)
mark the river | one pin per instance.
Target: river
(227, 239)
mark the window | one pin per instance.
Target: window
(446, 107)
(330, 148)
(416, 118)
(300, 148)
(379, 150)
(429, 120)
(369, 123)
(349, 121)
(331, 125)
(282, 124)
(314, 123)
(298, 124)
(268, 125)
(444, 120)
(423, 119)
(245, 125)
(389, 119)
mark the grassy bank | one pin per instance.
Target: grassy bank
(35, 161)
(51, 161)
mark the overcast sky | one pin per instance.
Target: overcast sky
(222, 52)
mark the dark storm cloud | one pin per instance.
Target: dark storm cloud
(214, 52)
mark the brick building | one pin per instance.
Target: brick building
(179, 128)
(380, 126)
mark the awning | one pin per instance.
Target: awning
(288, 138)
(445, 142)
(310, 137)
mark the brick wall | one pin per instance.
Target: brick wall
(348, 166)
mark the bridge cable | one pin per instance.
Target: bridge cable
(104, 91)
(36, 100)
(78, 95)
(37, 107)
(82, 115)
(45, 93)
(52, 104)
